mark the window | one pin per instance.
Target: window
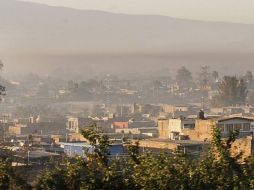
(221, 127)
(229, 127)
(238, 127)
(246, 127)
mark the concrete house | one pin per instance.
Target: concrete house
(173, 128)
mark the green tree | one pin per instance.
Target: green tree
(1, 64)
(4, 176)
(184, 78)
(249, 77)
(216, 169)
(9, 180)
(215, 75)
(231, 91)
(204, 77)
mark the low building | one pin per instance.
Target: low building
(148, 131)
(75, 123)
(203, 128)
(172, 128)
(202, 131)
(120, 125)
(80, 149)
(188, 147)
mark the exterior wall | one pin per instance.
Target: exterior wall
(244, 126)
(181, 108)
(163, 128)
(15, 130)
(73, 125)
(76, 137)
(167, 128)
(245, 145)
(120, 125)
(190, 149)
(72, 150)
(175, 125)
(216, 110)
(202, 130)
(127, 131)
(157, 145)
(168, 108)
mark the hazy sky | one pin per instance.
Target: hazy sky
(216, 10)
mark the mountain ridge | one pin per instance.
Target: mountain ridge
(31, 32)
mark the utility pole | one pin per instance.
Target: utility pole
(203, 104)
(121, 107)
(107, 81)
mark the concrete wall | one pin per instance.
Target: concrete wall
(202, 130)
(73, 124)
(14, 130)
(175, 125)
(120, 125)
(163, 128)
(157, 145)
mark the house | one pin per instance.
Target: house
(148, 131)
(45, 128)
(120, 125)
(202, 131)
(132, 122)
(80, 149)
(188, 147)
(75, 123)
(203, 128)
(172, 128)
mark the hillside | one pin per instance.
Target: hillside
(38, 31)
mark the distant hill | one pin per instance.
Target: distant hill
(30, 29)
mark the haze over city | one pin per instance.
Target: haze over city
(57, 35)
(126, 94)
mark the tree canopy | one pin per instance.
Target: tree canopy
(184, 78)
(232, 90)
(215, 169)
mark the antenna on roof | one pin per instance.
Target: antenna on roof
(202, 104)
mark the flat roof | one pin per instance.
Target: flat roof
(76, 144)
(181, 142)
(235, 117)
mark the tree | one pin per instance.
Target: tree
(72, 86)
(231, 91)
(150, 109)
(204, 77)
(216, 169)
(248, 77)
(1, 64)
(219, 169)
(4, 176)
(2, 88)
(98, 110)
(9, 179)
(215, 75)
(184, 78)
(122, 110)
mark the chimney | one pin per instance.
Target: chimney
(201, 115)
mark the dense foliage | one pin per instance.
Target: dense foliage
(232, 90)
(184, 78)
(217, 168)
(8, 178)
